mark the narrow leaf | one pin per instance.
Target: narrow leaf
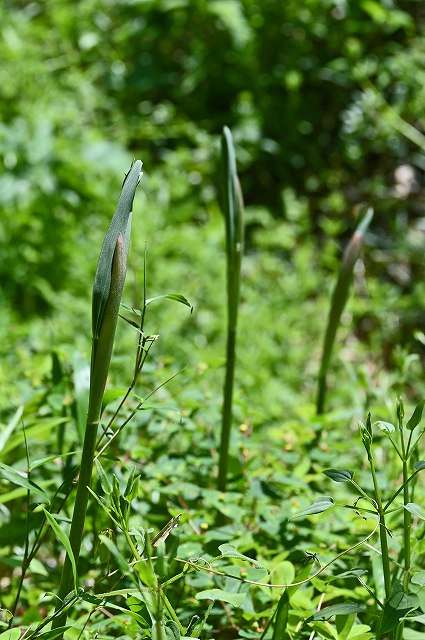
(416, 416)
(343, 609)
(14, 477)
(419, 465)
(171, 296)
(63, 538)
(339, 475)
(321, 504)
(104, 480)
(235, 599)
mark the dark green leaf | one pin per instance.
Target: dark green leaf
(321, 504)
(416, 416)
(63, 538)
(104, 480)
(419, 465)
(398, 605)
(343, 609)
(120, 225)
(339, 475)
(14, 477)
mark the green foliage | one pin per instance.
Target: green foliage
(325, 103)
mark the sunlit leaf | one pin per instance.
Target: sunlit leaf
(415, 510)
(229, 551)
(321, 504)
(234, 599)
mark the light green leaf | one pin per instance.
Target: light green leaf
(229, 551)
(14, 477)
(339, 475)
(112, 394)
(171, 296)
(63, 538)
(10, 634)
(321, 504)
(415, 510)
(385, 427)
(235, 599)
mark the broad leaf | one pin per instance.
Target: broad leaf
(339, 475)
(229, 551)
(415, 510)
(321, 504)
(398, 605)
(235, 599)
(385, 427)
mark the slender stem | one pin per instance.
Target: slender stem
(79, 515)
(227, 409)
(382, 529)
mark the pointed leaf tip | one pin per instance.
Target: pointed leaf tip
(120, 225)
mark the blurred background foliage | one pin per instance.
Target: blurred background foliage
(325, 100)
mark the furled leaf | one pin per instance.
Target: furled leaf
(343, 609)
(321, 504)
(339, 475)
(235, 599)
(120, 225)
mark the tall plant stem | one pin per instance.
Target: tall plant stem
(233, 216)
(79, 515)
(338, 302)
(227, 409)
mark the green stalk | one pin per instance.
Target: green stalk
(338, 302)
(107, 292)
(233, 214)
(101, 358)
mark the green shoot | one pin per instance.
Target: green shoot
(107, 291)
(233, 214)
(338, 302)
